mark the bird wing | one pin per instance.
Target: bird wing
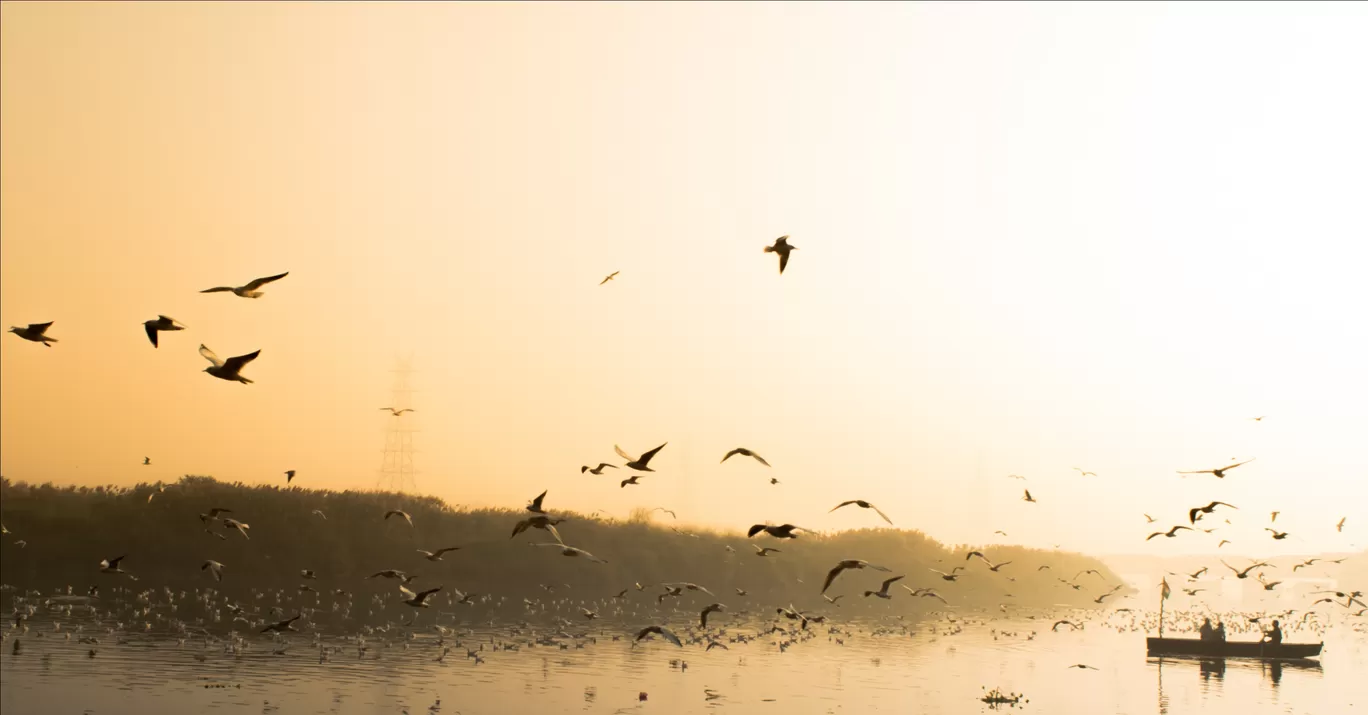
(1192, 515)
(844, 503)
(783, 262)
(646, 458)
(151, 333)
(263, 281)
(729, 455)
(1247, 461)
(405, 590)
(831, 576)
(888, 582)
(235, 364)
(220, 289)
(439, 552)
(210, 355)
(623, 454)
(1151, 536)
(880, 513)
(759, 459)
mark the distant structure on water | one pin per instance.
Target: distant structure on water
(397, 471)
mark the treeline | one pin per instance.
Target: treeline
(67, 531)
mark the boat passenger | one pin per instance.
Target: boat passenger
(1274, 637)
(1206, 631)
(1219, 634)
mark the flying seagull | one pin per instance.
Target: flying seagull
(598, 469)
(663, 631)
(883, 590)
(535, 505)
(229, 369)
(640, 465)
(711, 608)
(437, 555)
(848, 564)
(281, 627)
(630, 480)
(609, 278)
(289, 475)
(1082, 473)
(1340, 526)
(765, 551)
(1028, 497)
(161, 323)
(214, 568)
(397, 512)
(540, 521)
(744, 453)
(418, 600)
(1220, 473)
(147, 461)
(1278, 535)
(1170, 533)
(573, 552)
(1192, 513)
(863, 505)
(784, 531)
(249, 290)
(112, 565)
(395, 412)
(35, 332)
(781, 246)
(1243, 574)
(235, 524)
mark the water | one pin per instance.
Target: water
(935, 667)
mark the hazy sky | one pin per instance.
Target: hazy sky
(1030, 238)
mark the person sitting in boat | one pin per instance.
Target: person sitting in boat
(1206, 631)
(1274, 636)
(1219, 633)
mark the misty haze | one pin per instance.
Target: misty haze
(802, 358)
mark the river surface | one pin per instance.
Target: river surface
(929, 667)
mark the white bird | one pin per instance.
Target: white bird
(404, 514)
(112, 565)
(235, 524)
(418, 600)
(214, 568)
(535, 505)
(437, 555)
(781, 247)
(249, 290)
(744, 453)
(395, 412)
(572, 551)
(35, 332)
(639, 465)
(229, 369)
(161, 323)
(319, 512)
(883, 590)
(663, 631)
(765, 551)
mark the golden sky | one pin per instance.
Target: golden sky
(1031, 237)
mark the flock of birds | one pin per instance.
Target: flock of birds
(277, 622)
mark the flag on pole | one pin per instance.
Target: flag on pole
(1165, 591)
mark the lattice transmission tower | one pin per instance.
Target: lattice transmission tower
(397, 471)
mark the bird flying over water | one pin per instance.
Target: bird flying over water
(883, 589)
(711, 608)
(397, 512)
(640, 465)
(744, 453)
(214, 568)
(573, 552)
(1028, 497)
(536, 504)
(781, 246)
(418, 600)
(1278, 535)
(663, 631)
(630, 480)
(863, 505)
(112, 565)
(609, 278)
(437, 555)
(598, 469)
(1082, 473)
(1245, 573)
(235, 524)
(35, 332)
(281, 627)
(784, 531)
(1340, 526)
(249, 290)
(849, 564)
(952, 576)
(289, 475)
(229, 369)
(540, 521)
(766, 551)
(161, 323)
(1209, 508)
(1220, 473)
(395, 412)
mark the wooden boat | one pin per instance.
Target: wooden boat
(1197, 648)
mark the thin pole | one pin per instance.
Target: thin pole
(1161, 611)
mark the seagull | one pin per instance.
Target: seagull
(952, 576)
(711, 608)
(883, 590)
(161, 323)
(1149, 519)
(1084, 474)
(833, 601)
(598, 469)
(663, 631)
(1015, 476)
(667, 511)
(863, 505)
(1274, 517)
(848, 564)
(765, 551)
(1071, 624)
(249, 290)
(395, 412)
(1220, 473)
(35, 332)
(437, 555)
(308, 573)
(397, 512)
(319, 512)
(1304, 564)
(215, 568)
(609, 278)
(1243, 574)
(289, 475)
(630, 480)
(1170, 533)
(418, 600)
(391, 573)
(572, 551)
(1223, 543)
(147, 461)
(1028, 497)
(535, 504)
(227, 369)
(1193, 512)
(1082, 665)
(1277, 535)
(1259, 418)
(744, 453)
(112, 565)
(639, 465)
(540, 521)
(1340, 526)
(281, 627)
(1268, 585)
(235, 524)
(784, 531)
(1193, 591)
(214, 512)
(781, 246)
(1193, 576)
